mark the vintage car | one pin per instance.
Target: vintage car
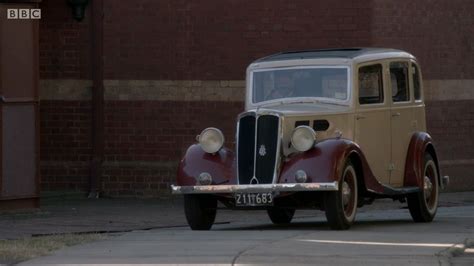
(329, 129)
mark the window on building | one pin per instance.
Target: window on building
(416, 81)
(370, 84)
(399, 81)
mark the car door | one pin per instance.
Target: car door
(402, 119)
(372, 120)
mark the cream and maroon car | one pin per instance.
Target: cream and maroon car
(327, 129)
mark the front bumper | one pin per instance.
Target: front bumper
(216, 189)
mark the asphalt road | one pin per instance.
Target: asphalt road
(379, 237)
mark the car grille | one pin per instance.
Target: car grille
(257, 155)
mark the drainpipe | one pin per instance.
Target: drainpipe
(97, 67)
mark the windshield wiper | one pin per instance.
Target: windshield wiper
(326, 102)
(313, 101)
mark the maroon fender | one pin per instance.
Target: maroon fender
(325, 162)
(220, 165)
(420, 143)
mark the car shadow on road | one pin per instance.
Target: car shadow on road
(319, 225)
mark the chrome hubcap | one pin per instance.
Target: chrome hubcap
(346, 193)
(428, 187)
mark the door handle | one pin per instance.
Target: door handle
(359, 117)
(395, 114)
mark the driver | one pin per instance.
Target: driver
(284, 87)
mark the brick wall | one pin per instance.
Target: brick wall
(144, 140)
(65, 144)
(215, 40)
(64, 43)
(160, 131)
(182, 39)
(173, 67)
(451, 124)
(439, 33)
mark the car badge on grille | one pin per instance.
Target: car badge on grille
(262, 151)
(254, 181)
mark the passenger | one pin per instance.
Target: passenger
(284, 87)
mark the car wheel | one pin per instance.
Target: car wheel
(341, 206)
(280, 215)
(200, 211)
(423, 205)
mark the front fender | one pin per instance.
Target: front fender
(220, 165)
(325, 163)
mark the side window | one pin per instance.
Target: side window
(370, 84)
(399, 81)
(416, 81)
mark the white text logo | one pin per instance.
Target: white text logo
(32, 13)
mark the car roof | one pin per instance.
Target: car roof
(345, 53)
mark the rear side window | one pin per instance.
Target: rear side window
(399, 81)
(416, 81)
(370, 84)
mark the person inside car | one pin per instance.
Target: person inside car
(284, 87)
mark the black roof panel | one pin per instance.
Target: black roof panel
(324, 53)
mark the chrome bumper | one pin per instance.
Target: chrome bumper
(212, 189)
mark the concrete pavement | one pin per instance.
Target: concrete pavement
(380, 236)
(75, 214)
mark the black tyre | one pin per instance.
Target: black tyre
(280, 215)
(424, 204)
(200, 211)
(341, 206)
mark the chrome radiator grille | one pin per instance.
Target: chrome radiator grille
(257, 148)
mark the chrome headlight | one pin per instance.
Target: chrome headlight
(211, 140)
(303, 138)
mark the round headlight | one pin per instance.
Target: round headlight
(211, 140)
(303, 138)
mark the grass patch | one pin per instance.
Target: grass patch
(13, 251)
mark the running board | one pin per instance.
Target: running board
(390, 191)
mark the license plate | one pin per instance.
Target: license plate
(254, 199)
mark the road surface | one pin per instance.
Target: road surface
(379, 237)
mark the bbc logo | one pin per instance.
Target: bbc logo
(32, 13)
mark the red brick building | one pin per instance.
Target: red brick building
(173, 67)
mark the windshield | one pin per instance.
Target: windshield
(330, 83)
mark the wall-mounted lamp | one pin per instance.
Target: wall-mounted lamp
(78, 8)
